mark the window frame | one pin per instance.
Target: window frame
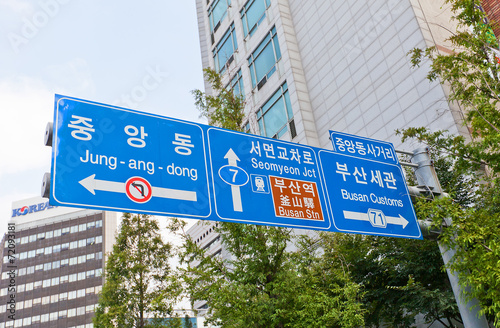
(250, 30)
(280, 95)
(212, 24)
(229, 36)
(271, 39)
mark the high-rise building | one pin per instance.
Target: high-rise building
(53, 259)
(307, 67)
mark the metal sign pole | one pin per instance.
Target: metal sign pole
(426, 176)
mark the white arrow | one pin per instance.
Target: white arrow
(232, 160)
(364, 217)
(92, 184)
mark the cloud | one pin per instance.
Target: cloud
(74, 75)
(27, 106)
(18, 6)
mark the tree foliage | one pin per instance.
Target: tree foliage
(222, 108)
(139, 282)
(472, 227)
(401, 278)
(266, 281)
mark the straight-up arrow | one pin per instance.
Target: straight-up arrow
(232, 160)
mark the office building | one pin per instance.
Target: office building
(307, 67)
(53, 259)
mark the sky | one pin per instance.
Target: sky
(142, 55)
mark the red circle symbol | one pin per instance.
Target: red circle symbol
(138, 190)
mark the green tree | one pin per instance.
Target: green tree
(401, 278)
(222, 108)
(472, 71)
(139, 283)
(263, 283)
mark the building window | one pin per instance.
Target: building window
(252, 14)
(236, 85)
(262, 62)
(44, 317)
(224, 50)
(216, 13)
(276, 115)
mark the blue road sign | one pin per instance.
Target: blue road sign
(367, 189)
(112, 158)
(362, 147)
(265, 181)
(118, 159)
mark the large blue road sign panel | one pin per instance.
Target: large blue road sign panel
(113, 158)
(370, 194)
(123, 160)
(266, 181)
(368, 197)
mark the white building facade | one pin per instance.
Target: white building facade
(307, 67)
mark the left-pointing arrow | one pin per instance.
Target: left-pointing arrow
(92, 184)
